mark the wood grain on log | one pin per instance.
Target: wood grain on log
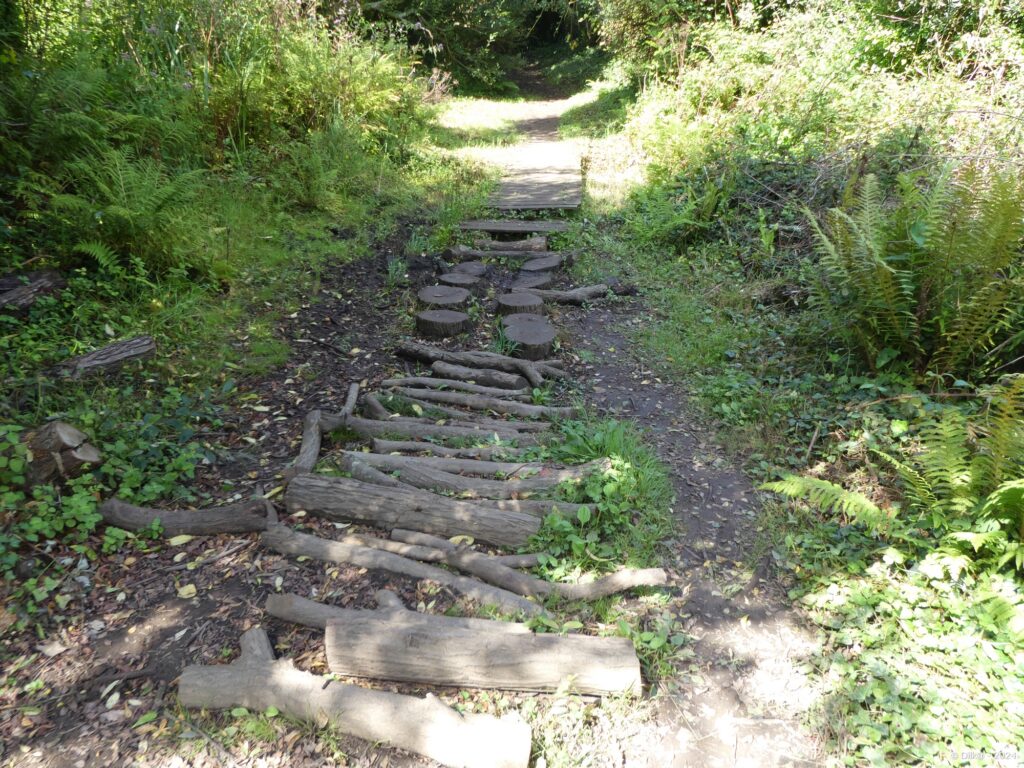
(463, 386)
(243, 517)
(394, 427)
(469, 466)
(441, 323)
(348, 500)
(419, 446)
(514, 303)
(460, 280)
(527, 318)
(110, 356)
(21, 292)
(486, 403)
(424, 726)
(576, 295)
(482, 376)
(309, 450)
(538, 507)
(518, 226)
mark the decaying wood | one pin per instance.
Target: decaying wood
(528, 282)
(576, 295)
(485, 567)
(350, 400)
(299, 610)
(533, 372)
(374, 408)
(242, 517)
(418, 446)
(58, 450)
(474, 268)
(367, 474)
(286, 541)
(371, 646)
(460, 280)
(437, 383)
(457, 418)
(309, 451)
(20, 292)
(465, 253)
(482, 376)
(348, 500)
(424, 726)
(110, 356)
(487, 403)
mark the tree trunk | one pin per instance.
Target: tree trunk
(442, 297)
(19, 292)
(483, 376)
(534, 341)
(575, 296)
(530, 281)
(540, 508)
(470, 466)
(420, 431)
(519, 303)
(424, 726)
(110, 356)
(442, 323)
(348, 500)
(374, 647)
(417, 446)
(431, 382)
(543, 264)
(243, 517)
(309, 451)
(485, 403)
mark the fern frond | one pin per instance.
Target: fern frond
(828, 497)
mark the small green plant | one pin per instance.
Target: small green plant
(501, 343)
(660, 642)
(398, 273)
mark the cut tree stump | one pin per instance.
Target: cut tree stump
(513, 226)
(58, 451)
(286, 541)
(373, 647)
(486, 403)
(473, 268)
(482, 376)
(460, 280)
(442, 323)
(576, 295)
(534, 372)
(309, 613)
(417, 446)
(543, 264)
(243, 517)
(516, 303)
(424, 726)
(110, 356)
(534, 341)
(535, 243)
(528, 282)
(442, 297)
(19, 292)
(528, 318)
(465, 253)
(431, 382)
(347, 500)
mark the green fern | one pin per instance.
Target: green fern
(828, 497)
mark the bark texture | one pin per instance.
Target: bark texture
(243, 517)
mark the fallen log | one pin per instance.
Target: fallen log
(286, 541)
(536, 243)
(242, 517)
(575, 296)
(110, 356)
(470, 466)
(309, 451)
(58, 450)
(430, 382)
(418, 446)
(533, 372)
(424, 726)
(457, 418)
(375, 409)
(519, 303)
(465, 253)
(531, 560)
(411, 429)
(347, 500)
(484, 567)
(482, 376)
(19, 292)
(299, 610)
(540, 508)
(367, 474)
(444, 323)
(485, 403)
(373, 647)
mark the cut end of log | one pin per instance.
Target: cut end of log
(459, 280)
(442, 296)
(513, 303)
(441, 323)
(534, 341)
(528, 282)
(474, 268)
(543, 264)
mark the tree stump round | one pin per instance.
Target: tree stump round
(511, 303)
(442, 296)
(520, 318)
(543, 264)
(474, 268)
(441, 323)
(528, 282)
(459, 280)
(534, 341)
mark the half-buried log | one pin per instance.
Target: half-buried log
(482, 376)
(372, 647)
(347, 500)
(441, 323)
(299, 610)
(110, 356)
(243, 517)
(487, 403)
(424, 726)
(513, 303)
(18, 293)
(288, 542)
(418, 446)
(442, 297)
(474, 268)
(543, 264)
(460, 280)
(534, 372)
(533, 341)
(437, 383)
(537, 243)
(58, 450)
(576, 295)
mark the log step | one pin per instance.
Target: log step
(528, 282)
(459, 280)
(474, 268)
(534, 341)
(512, 303)
(442, 323)
(523, 318)
(513, 226)
(442, 296)
(537, 243)
(543, 264)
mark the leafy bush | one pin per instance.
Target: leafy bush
(935, 281)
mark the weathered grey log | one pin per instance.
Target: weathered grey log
(576, 295)
(348, 500)
(415, 551)
(481, 376)
(286, 541)
(442, 297)
(533, 341)
(520, 318)
(485, 567)
(465, 253)
(351, 398)
(540, 508)
(528, 282)
(535, 243)
(242, 517)
(424, 726)
(420, 431)
(419, 446)
(367, 474)
(374, 408)
(299, 610)
(543, 264)
(474, 268)
(514, 226)
(369, 647)
(534, 372)
(531, 560)
(431, 382)
(492, 469)
(18, 293)
(460, 280)
(442, 323)
(516, 303)
(309, 451)
(486, 403)
(460, 418)
(110, 356)
(58, 450)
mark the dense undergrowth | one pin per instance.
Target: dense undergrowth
(825, 209)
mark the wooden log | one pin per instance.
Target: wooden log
(375, 409)
(110, 356)
(533, 372)
(424, 726)
(442, 297)
(576, 295)
(431, 382)
(460, 280)
(465, 253)
(517, 303)
(351, 398)
(242, 517)
(514, 226)
(486, 403)
(543, 264)
(471, 466)
(418, 446)
(459, 418)
(540, 508)
(502, 576)
(367, 474)
(286, 541)
(533, 341)
(411, 429)
(474, 268)
(442, 323)
(19, 292)
(535, 243)
(309, 451)
(524, 318)
(528, 282)
(299, 610)
(531, 560)
(348, 500)
(57, 450)
(371, 647)
(482, 376)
